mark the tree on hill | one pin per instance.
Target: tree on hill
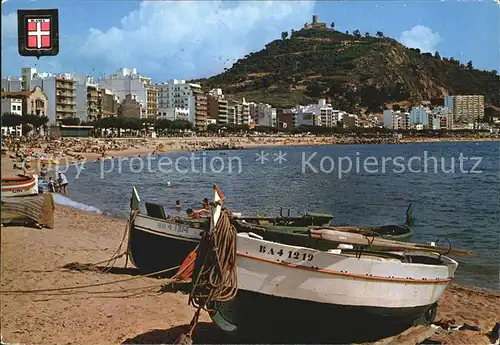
(380, 34)
(367, 34)
(469, 65)
(437, 56)
(284, 35)
(347, 32)
(332, 25)
(356, 33)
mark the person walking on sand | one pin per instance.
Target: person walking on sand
(63, 183)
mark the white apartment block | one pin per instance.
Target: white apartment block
(60, 90)
(396, 120)
(263, 115)
(128, 82)
(13, 106)
(12, 84)
(87, 98)
(176, 93)
(173, 114)
(320, 114)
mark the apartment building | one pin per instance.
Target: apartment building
(419, 116)
(217, 106)
(241, 113)
(107, 103)
(130, 107)
(174, 114)
(465, 108)
(176, 93)
(12, 84)
(263, 114)
(12, 106)
(87, 98)
(60, 90)
(200, 108)
(127, 81)
(284, 118)
(396, 119)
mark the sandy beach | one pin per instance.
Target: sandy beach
(77, 150)
(137, 310)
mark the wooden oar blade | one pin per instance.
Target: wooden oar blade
(382, 244)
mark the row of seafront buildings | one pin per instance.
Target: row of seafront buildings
(129, 94)
(458, 112)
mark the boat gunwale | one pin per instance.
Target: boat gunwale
(346, 274)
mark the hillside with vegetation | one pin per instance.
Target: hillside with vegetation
(355, 72)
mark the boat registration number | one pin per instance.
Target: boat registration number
(286, 254)
(178, 228)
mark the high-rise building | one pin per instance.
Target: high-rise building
(60, 90)
(127, 82)
(217, 106)
(87, 98)
(465, 108)
(177, 94)
(201, 107)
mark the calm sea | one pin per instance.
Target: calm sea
(454, 189)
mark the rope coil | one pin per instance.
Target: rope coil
(215, 271)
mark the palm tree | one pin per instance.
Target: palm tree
(380, 34)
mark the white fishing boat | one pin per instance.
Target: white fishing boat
(285, 289)
(21, 185)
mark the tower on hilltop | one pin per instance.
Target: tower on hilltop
(315, 24)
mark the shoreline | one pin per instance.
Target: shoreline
(81, 150)
(136, 311)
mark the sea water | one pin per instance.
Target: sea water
(453, 187)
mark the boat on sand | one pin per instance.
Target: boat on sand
(289, 292)
(157, 241)
(20, 185)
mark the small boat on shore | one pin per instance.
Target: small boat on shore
(157, 241)
(288, 292)
(21, 185)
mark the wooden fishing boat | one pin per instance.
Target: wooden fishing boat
(157, 241)
(291, 291)
(21, 185)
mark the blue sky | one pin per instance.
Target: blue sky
(192, 39)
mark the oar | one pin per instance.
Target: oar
(383, 244)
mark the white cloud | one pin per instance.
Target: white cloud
(421, 37)
(192, 39)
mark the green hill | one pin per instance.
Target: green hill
(354, 72)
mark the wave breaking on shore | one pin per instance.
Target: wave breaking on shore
(64, 201)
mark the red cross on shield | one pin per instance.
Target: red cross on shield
(38, 32)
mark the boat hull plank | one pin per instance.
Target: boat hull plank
(155, 244)
(254, 316)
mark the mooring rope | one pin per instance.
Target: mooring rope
(214, 279)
